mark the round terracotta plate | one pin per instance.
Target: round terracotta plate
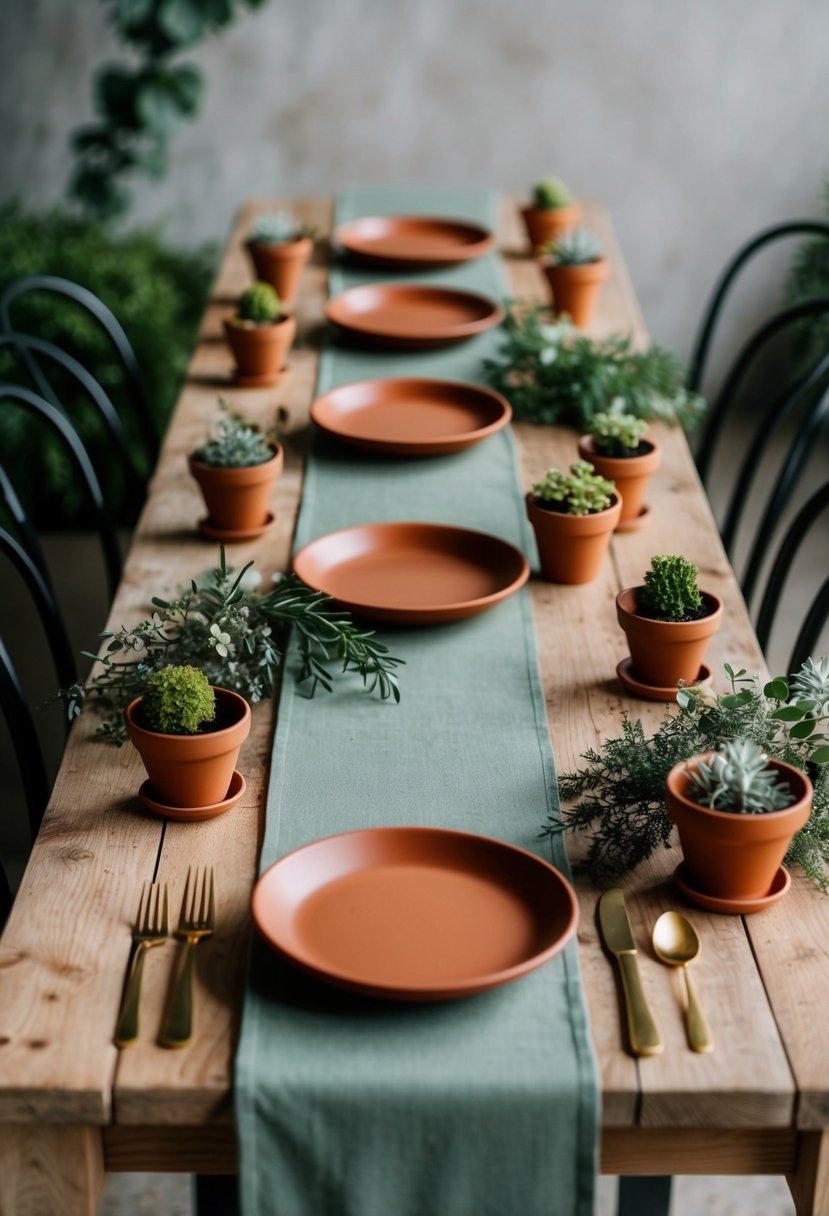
(209, 529)
(195, 814)
(414, 914)
(732, 907)
(412, 573)
(417, 317)
(406, 240)
(409, 417)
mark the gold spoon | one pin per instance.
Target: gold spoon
(675, 942)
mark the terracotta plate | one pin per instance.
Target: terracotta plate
(411, 417)
(401, 314)
(412, 573)
(415, 914)
(405, 240)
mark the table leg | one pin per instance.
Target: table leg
(50, 1171)
(810, 1184)
(644, 1196)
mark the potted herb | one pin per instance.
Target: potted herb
(668, 622)
(736, 812)
(573, 516)
(279, 248)
(260, 336)
(235, 471)
(551, 211)
(188, 735)
(616, 446)
(575, 268)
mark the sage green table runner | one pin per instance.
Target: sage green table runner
(480, 1107)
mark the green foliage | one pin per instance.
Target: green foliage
(812, 683)
(670, 592)
(616, 433)
(235, 443)
(141, 104)
(575, 248)
(238, 637)
(737, 778)
(177, 701)
(581, 492)
(555, 374)
(809, 278)
(158, 295)
(277, 228)
(550, 194)
(259, 304)
(619, 797)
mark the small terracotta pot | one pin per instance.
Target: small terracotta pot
(547, 223)
(281, 264)
(192, 770)
(727, 854)
(237, 498)
(630, 474)
(260, 351)
(575, 289)
(571, 547)
(665, 652)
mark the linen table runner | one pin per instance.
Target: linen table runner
(480, 1107)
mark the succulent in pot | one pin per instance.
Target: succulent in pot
(279, 249)
(188, 735)
(573, 515)
(615, 444)
(736, 811)
(551, 211)
(575, 268)
(235, 470)
(668, 622)
(260, 336)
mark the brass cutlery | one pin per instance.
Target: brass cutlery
(616, 932)
(150, 929)
(197, 920)
(675, 942)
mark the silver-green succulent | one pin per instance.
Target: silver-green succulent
(738, 778)
(811, 683)
(277, 228)
(234, 443)
(574, 248)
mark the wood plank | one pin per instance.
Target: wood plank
(54, 1170)
(809, 1181)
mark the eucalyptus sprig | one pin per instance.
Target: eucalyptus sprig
(618, 798)
(239, 638)
(555, 374)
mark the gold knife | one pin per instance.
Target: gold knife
(616, 931)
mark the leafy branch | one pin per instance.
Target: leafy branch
(554, 374)
(140, 107)
(618, 796)
(239, 638)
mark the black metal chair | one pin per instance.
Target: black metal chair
(108, 322)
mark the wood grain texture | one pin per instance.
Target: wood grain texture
(50, 1171)
(63, 956)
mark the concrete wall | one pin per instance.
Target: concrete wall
(697, 122)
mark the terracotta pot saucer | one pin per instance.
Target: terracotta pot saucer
(186, 814)
(265, 381)
(209, 529)
(734, 907)
(633, 525)
(648, 692)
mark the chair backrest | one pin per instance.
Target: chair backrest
(110, 324)
(711, 315)
(818, 612)
(52, 417)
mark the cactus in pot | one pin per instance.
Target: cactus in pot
(551, 211)
(260, 336)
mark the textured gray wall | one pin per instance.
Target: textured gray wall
(697, 122)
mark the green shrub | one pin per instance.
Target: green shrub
(157, 293)
(550, 194)
(670, 592)
(259, 304)
(177, 701)
(581, 492)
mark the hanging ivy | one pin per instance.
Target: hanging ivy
(140, 105)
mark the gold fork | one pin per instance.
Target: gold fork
(150, 929)
(197, 919)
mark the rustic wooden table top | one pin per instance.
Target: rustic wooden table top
(68, 1096)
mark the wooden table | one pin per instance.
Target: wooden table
(73, 1107)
